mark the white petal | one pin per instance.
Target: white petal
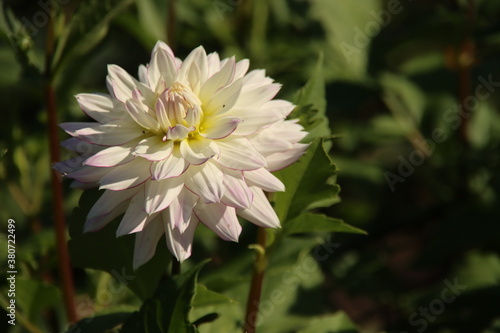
(143, 74)
(278, 105)
(161, 193)
(179, 132)
(241, 68)
(141, 116)
(109, 200)
(221, 219)
(254, 119)
(179, 242)
(206, 181)
(260, 213)
(213, 63)
(99, 222)
(239, 154)
(162, 45)
(173, 166)
(224, 99)
(279, 161)
(196, 151)
(123, 84)
(264, 179)
(72, 128)
(146, 242)
(236, 192)
(218, 80)
(154, 148)
(113, 133)
(89, 174)
(135, 217)
(256, 78)
(219, 127)
(258, 96)
(181, 209)
(162, 66)
(127, 175)
(100, 107)
(161, 115)
(112, 156)
(199, 57)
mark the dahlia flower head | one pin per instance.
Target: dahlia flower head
(190, 142)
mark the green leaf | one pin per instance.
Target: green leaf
(207, 297)
(339, 322)
(102, 250)
(311, 222)
(100, 324)
(309, 184)
(168, 310)
(311, 105)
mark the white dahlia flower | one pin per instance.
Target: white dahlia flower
(190, 141)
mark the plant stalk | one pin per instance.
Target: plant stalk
(57, 190)
(256, 285)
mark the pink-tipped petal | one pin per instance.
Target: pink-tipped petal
(239, 154)
(237, 194)
(127, 175)
(261, 212)
(179, 242)
(172, 166)
(146, 242)
(135, 217)
(162, 67)
(219, 127)
(221, 219)
(161, 193)
(218, 80)
(206, 181)
(264, 179)
(154, 148)
(111, 156)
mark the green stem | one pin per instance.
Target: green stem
(57, 191)
(256, 284)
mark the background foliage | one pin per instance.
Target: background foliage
(415, 147)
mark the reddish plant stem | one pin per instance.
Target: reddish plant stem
(57, 190)
(256, 284)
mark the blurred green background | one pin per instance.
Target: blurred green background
(412, 97)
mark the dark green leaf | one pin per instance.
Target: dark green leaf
(311, 105)
(311, 222)
(102, 250)
(100, 324)
(168, 310)
(309, 184)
